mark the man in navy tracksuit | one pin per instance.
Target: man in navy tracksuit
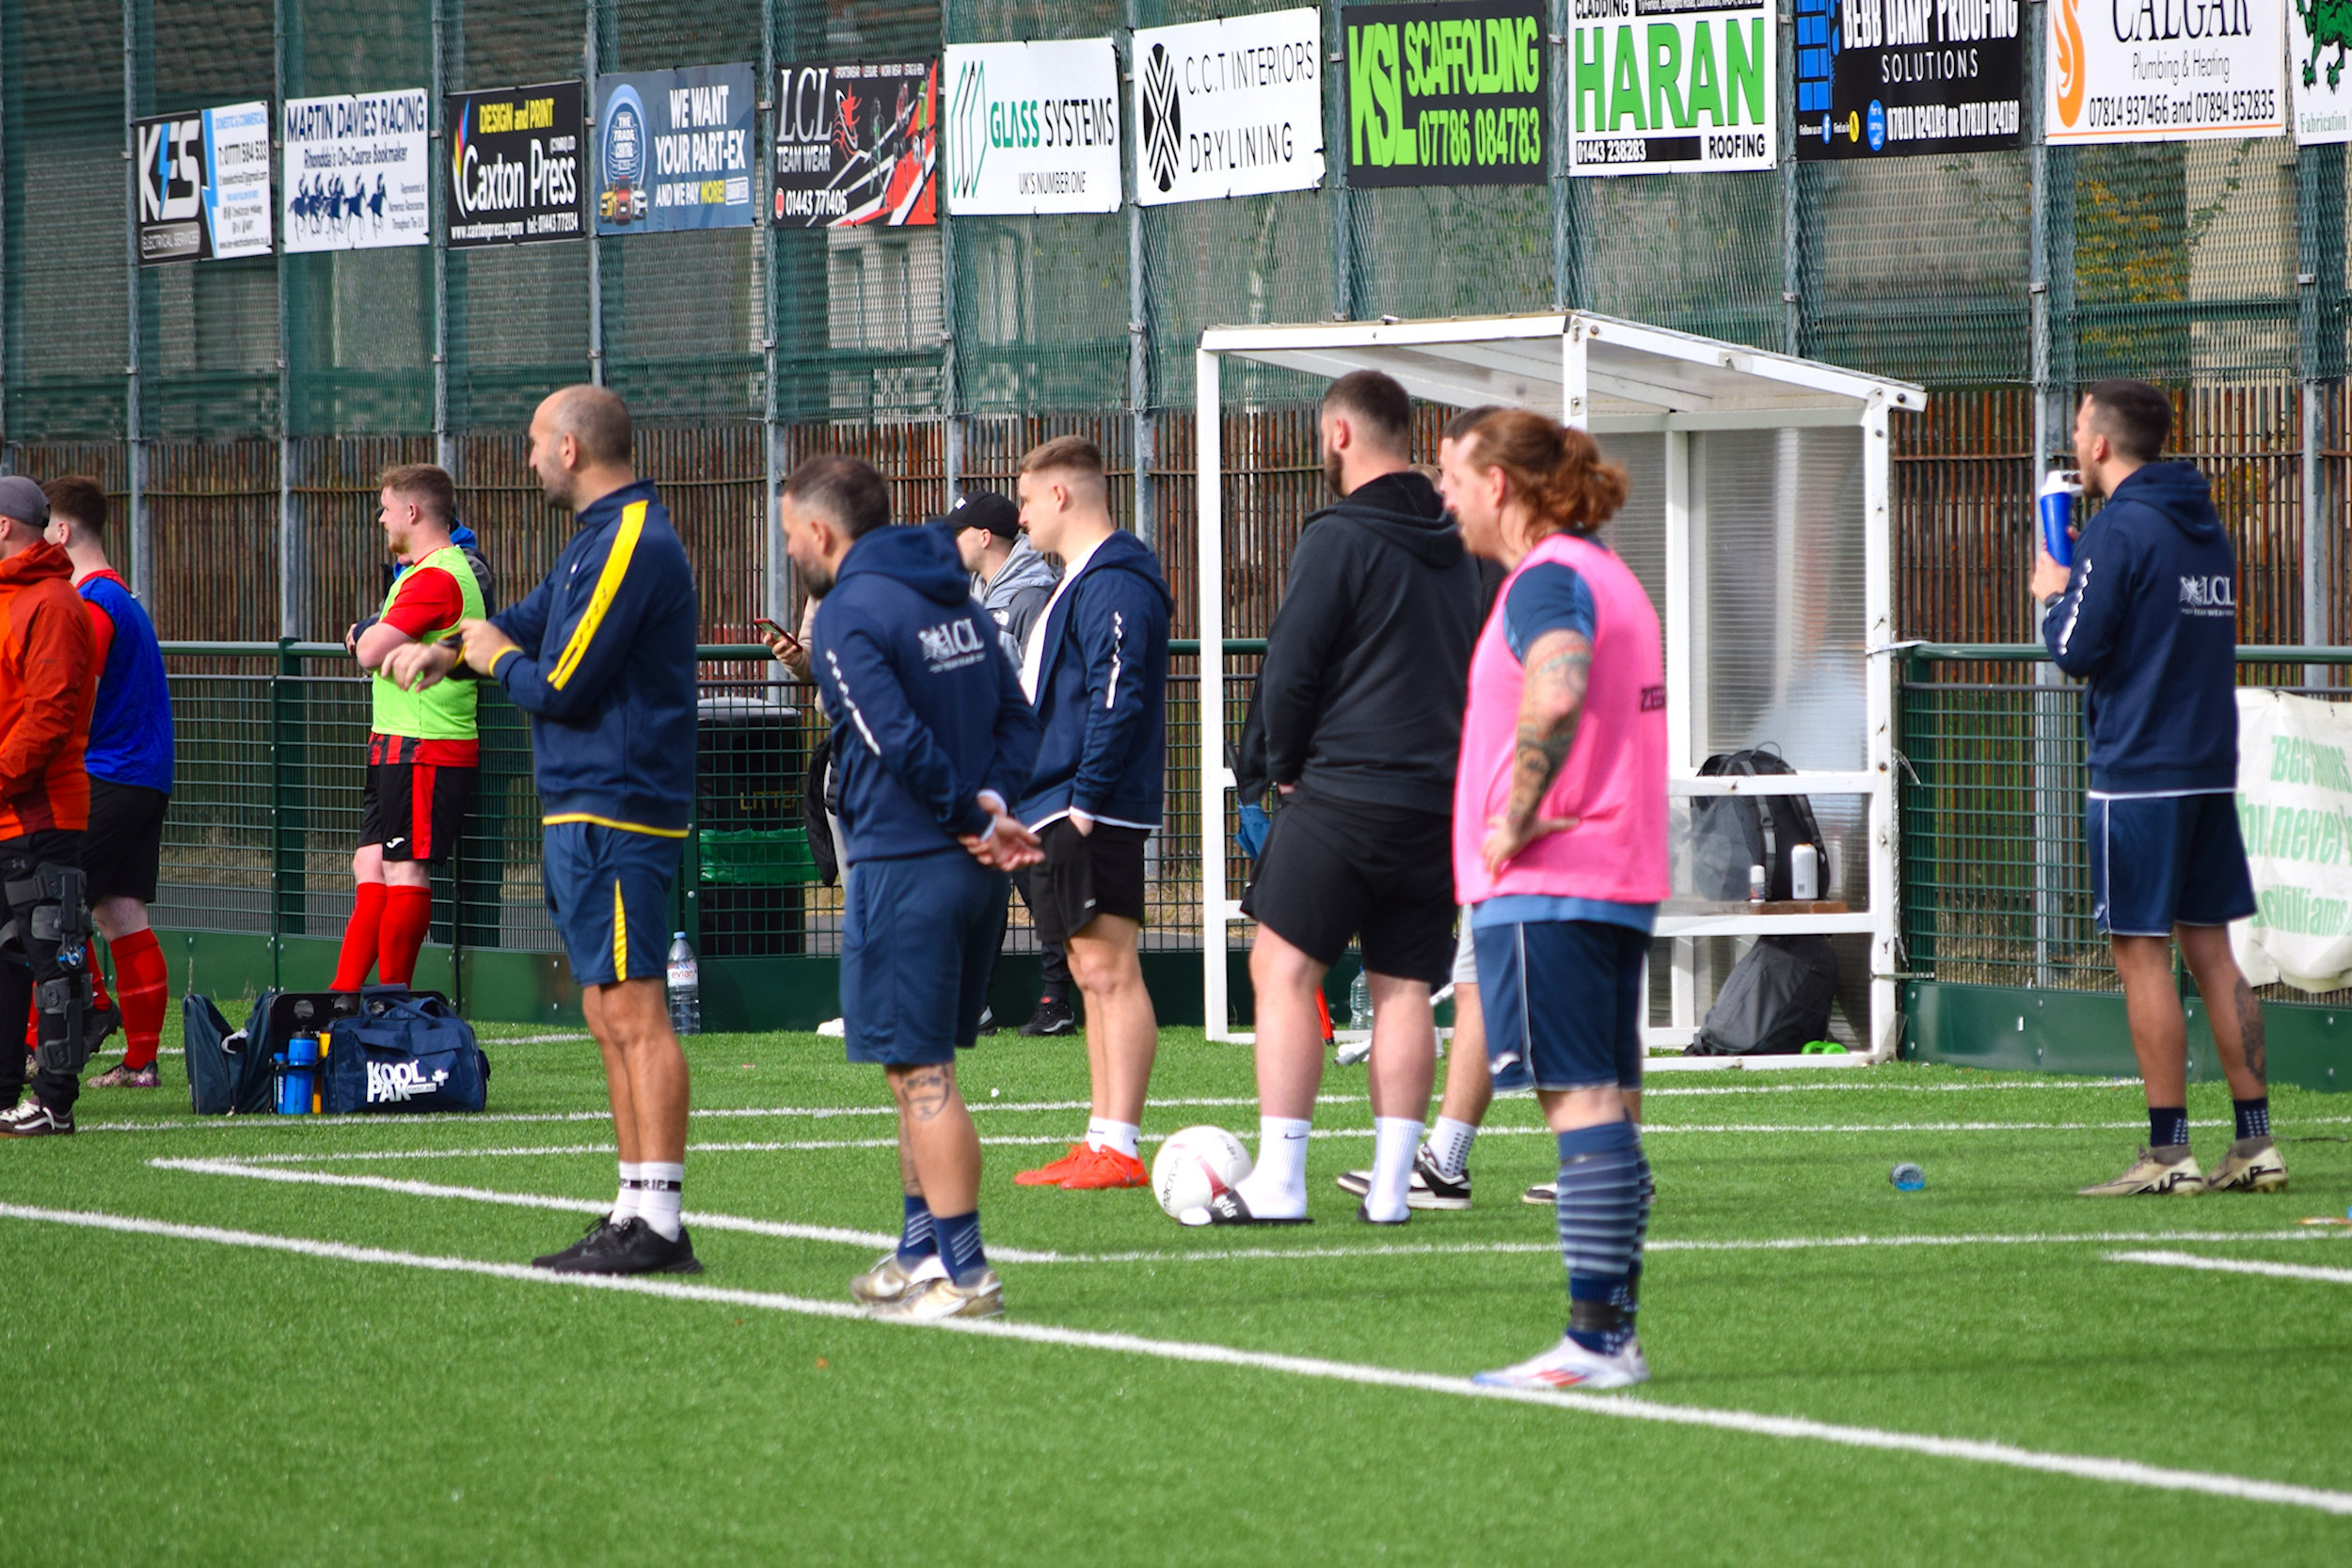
(934, 741)
(601, 656)
(2148, 617)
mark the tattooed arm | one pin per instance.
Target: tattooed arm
(1551, 703)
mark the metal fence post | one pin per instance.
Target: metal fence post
(135, 446)
(1791, 253)
(1335, 160)
(2313, 166)
(444, 445)
(596, 245)
(1567, 257)
(1139, 313)
(288, 913)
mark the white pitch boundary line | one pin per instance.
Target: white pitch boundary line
(2124, 1472)
(2234, 1265)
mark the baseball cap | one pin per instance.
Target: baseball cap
(20, 499)
(985, 508)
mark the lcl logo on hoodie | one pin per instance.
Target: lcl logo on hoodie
(2213, 595)
(950, 645)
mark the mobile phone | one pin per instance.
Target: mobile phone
(760, 622)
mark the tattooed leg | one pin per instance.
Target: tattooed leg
(940, 1147)
(2230, 1007)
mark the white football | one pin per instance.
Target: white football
(1194, 1165)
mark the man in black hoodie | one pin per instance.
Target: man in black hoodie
(2148, 617)
(1361, 696)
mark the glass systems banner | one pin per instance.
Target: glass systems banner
(203, 184)
(1033, 127)
(1228, 109)
(675, 149)
(857, 144)
(514, 165)
(1445, 95)
(2164, 70)
(355, 171)
(1888, 78)
(1666, 87)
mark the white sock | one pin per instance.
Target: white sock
(1395, 1141)
(1450, 1144)
(625, 1206)
(1098, 1131)
(1121, 1135)
(658, 1200)
(1276, 1187)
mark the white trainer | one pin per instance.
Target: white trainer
(889, 1279)
(2168, 1172)
(2253, 1166)
(1569, 1365)
(941, 1297)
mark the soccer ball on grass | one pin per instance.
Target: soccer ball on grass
(1194, 1165)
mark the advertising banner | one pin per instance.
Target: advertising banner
(1446, 95)
(2164, 70)
(355, 171)
(2295, 813)
(1033, 127)
(203, 184)
(1891, 78)
(1668, 86)
(2317, 42)
(675, 149)
(1228, 109)
(514, 165)
(857, 144)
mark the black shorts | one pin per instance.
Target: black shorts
(1084, 875)
(123, 850)
(416, 810)
(1336, 869)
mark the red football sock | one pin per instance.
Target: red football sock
(360, 937)
(407, 914)
(144, 990)
(98, 997)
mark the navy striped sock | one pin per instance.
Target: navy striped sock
(1632, 1302)
(1600, 1228)
(916, 1238)
(959, 1245)
(2253, 1116)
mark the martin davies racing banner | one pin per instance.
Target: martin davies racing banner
(355, 171)
(2164, 70)
(203, 184)
(514, 165)
(856, 144)
(1446, 95)
(1033, 127)
(1890, 78)
(1664, 86)
(2295, 813)
(1228, 109)
(675, 150)
(2317, 42)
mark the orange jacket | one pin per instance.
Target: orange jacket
(48, 682)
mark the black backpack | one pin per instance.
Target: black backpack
(1731, 832)
(1774, 1002)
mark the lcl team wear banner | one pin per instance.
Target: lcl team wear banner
(514, 165)
(2124, 70)
(1667, 87)
(1445, 95)
(203, 184)
(2318, 40)
(675, 149)
(856, 144)
(1888, 78)
(1228, 109)
(355, 171)
(1033, 127)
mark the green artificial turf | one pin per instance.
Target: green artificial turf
(179, 1401)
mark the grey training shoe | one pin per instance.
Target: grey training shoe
(890, 1280)
(941, 1297)
(2169, 1171)
(2253, 1166)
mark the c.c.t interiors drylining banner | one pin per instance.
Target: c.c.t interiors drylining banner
(2123, 71)
(1445, 95)
(1664, 86)
(1033, 127)
(355, 171)
(1228, 109)
(675, 150)
(2294, 812)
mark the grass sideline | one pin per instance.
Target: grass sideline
(190, 1402)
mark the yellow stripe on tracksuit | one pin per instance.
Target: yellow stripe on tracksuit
(620, 933)
(608, 587)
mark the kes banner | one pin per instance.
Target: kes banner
(1446, 95)
(1887, 78)
(203, 184)
(514, 165)
(856, 144)
(1670, 86)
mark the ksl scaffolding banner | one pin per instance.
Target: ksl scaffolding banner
(1033, 127)
(856, 144)
(2124, 70)
(2295, 813)
(2319, 42)
(355, 171)
(1446, 95)
(203, 184)
(1893, 78)
(1668, 86)
(675, 149)
(1228, 109)
(514, 165)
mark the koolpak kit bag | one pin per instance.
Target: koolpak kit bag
(404, 1050)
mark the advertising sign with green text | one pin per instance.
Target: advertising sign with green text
(1670, 87)
(1445, 95)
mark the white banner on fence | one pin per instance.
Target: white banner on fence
(356, 171)
(1661, 86)
(2295, 811)
(1228, 109)
(1033, 127)
(2319, 61)
(2123, 71)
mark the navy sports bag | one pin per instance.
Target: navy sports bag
(406, 1050)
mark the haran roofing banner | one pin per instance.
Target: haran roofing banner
(1033, 127)
(514, 165)
(203, 186)
(1664, 86)
(675, 149)
(2124, 70)
(2318, 41)
(1445, 95)
(856, 144)
(1890, 78)
(1228, 109)
(356, 171)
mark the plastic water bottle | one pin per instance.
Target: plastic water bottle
(686, 988)
(2061, 494)
(1908, 1178)
(1360, 1002)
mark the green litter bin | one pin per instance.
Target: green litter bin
(758, 857)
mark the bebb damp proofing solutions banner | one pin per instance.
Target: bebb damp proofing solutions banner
(1033, 127)
(354, 172)
(513, 166)
(675, 149)
(1228, 109)
(1445, 95)
(856, 143)
(1897, 79)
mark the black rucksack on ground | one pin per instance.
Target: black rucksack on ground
(1774, 1002)
(1732, 833)
(226, 1077)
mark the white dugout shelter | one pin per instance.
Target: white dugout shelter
(1759, 520)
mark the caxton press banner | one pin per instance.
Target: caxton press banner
(203, 184)
(355, 171)
(2124, 70)
(1664, 86)
(856, 143)
(513, 166)
(675, 150)
(1228, 109)
(1889, 78)
(1033, 127)
(1445, 95)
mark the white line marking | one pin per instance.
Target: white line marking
(2125, 1472)
(2234, 1265)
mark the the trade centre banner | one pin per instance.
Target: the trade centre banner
(1446, 95)
(1669, 86)
(1228, 109)
(356, 171)
(675, 149)
(1033, 127)
(203, 184)
(2123, 71)
(856, 144)
(1893, 78)
(514, 170)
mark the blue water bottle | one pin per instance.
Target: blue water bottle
(2061, 492)
(294, 1079)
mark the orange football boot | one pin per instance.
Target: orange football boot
(1050, 1175)
(1106, 1167)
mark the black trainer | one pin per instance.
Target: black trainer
(1053, 1017)
(633, 1246)
(988, 1021)
(597, 1228)
(1225, 1207)
(32, 1119)
(1431, 1188)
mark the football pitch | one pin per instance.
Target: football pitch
(259, 1340)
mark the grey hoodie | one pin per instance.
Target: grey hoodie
(1018, 591)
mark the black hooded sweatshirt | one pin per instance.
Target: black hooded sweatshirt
(1368, 661)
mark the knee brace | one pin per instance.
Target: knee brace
(55, 913)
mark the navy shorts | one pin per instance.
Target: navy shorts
(2161, 861)
(918, 939)
(608, 890)
(1564, 996)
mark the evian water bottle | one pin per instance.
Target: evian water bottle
(686, 988)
